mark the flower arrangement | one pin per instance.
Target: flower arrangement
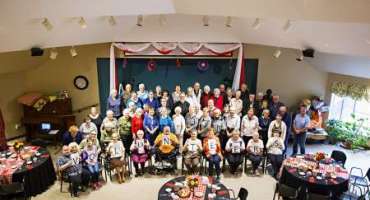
(319, 156)
(192, 181)
(18, 146)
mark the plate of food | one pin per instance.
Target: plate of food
(302, 173)
(29, 162)
(198, 194)
(184, 192)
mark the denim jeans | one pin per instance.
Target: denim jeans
(214, 162)
(94, 171)
(299, 139)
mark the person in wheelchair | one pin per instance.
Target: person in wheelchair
(166, 148)
(255, 152)
(235, 148)
(275, 148)
(192, 152)
(116, 151)
(212, 151)
(140, 152)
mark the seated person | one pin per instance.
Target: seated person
(72, 135)
(140, 152)
(235, 148)
(116, 151)
(91, 152)
(166, 145)
(255, 151)
(87, 127)
(108, 127)
(275, 148)
(92, 137)
(192, 152)
(212, 151)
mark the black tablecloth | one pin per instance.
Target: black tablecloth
(291, 177)
(163, 195)
(38, 176)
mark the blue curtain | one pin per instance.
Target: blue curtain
(166, 74)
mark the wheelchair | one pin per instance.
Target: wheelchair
(164, 163)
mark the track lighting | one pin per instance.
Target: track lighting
(53, 54)
(205, 20)
(73, 52)
(256, 24)
(140, 20)
(82, 23)
(277, 53)
(112, 21)
(228, 22)
(287, 26)
(162, 20)
(46, 23)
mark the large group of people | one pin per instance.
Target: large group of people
(193, 124)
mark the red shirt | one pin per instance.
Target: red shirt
(204, 99)
(219, 102)
(136, 124)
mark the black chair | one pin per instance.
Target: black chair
(285, 191)
(12, 190)
(183, 167)
(63, 177)
(262, 165)
(339, 157)
(243, 194)
(314, 196)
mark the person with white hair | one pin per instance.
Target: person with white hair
(197, 91)
(124, 128)
(232, 121)
(140, 153)
(163, 105)
(108, 126)
(218, 99)
(249, 125)
(151, 126)
(142, 93)
(190, 97)
(114, 103)
(165, 120)
(116, 151)
(255, 151)
(176, 93)
(135, 99)
(87, 127)
(179, 123)
(191, 122)
(204, 124)
(219, 126)
(183, 104)
(235, 148)
(137, 122)
(237, 103)
(206, 95)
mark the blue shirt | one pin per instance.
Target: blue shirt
(301, 122)
(150, 122)
(152, 103)
(166, 121)
(67, 138)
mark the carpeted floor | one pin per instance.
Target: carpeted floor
(146, 188)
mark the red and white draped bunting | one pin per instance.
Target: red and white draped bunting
(189, 49)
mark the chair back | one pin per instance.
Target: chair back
(313, 196)
(243, 194)
(368, 174)
(339, 156)
(286, 191)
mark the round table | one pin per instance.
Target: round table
(295, 177)
(221, 194)
(38, 176)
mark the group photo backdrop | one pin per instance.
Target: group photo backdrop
(168, 73)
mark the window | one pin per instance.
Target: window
(341, 108)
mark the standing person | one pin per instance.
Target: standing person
(211, 107)
(142, 94)
(192, 152)
(206, 95)
(165, 120)
(251, 103)
(183, 104)
(212, 150)
(151, 101)
(168, 97)
(229, 96)
(198, 112)
(219, 126)
(232, 122)
(268, 96)
(137, 122)
(92, 151)
(274, 106)
(124, 128)
(275, 147)
(140, 153)
(245, 92)
(158, 93)
(197, 91)
(190, 97)
(287, 119)
(259, 104)
(164, 105)
(237, 103)
(108, 126)
(151, 126)
(204, 124)
(116, 151)
(176, 93)
(191, 122)
(218, 99)
(300, 126)
(135, 100)
(249, 126)
(235, 147)
(87, 127)
(255, 151)
(127, 93)
(264, 123)
(96, 118)
(179, 124)
(114, 103)
(277, 125)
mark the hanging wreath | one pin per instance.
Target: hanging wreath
(203, 66)
(151, 66)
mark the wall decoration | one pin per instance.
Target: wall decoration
(151, 66)
(202, 66)
(81, 82)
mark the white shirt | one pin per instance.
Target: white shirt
(116, 149)
(235, 146)
(138, 144)
(212, 146)
(233, 122)
(255, 147)
(88, 127)
(275, 145)
(237, 104)
(192, 100)
(193, 145)
(276, 124)
(179, 123)
(249, 126)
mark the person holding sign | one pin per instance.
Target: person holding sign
(139, 152)
(192, 152)
(116, 150)
(212, 150)
(275, 148)
(166, 146)
(235, 148)
(255, 150)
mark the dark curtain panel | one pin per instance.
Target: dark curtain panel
(2, 133)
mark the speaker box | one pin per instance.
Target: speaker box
(35, 51)
(308, 53)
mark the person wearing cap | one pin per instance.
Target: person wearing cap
(124, 128)
(116, 151)
(235, 148)
(166, 146)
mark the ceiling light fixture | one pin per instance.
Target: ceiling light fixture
(112, 21)
(256, 24)
(162, 20)
(300, 56)
(82, 23)
(73, 52)
(287, 26)
(53, 54)
(46, 23)
(277, 53)
(139, 20)
(205, 20)
(228, 21)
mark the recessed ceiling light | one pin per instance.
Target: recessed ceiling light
(228, 22)
(205, 20)
(256, 24)
(73, 52)
(287, 26)
(112, 21)
(53, 54)
(46, 23)
(277, 53)
(139, 20)
(82, 23)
